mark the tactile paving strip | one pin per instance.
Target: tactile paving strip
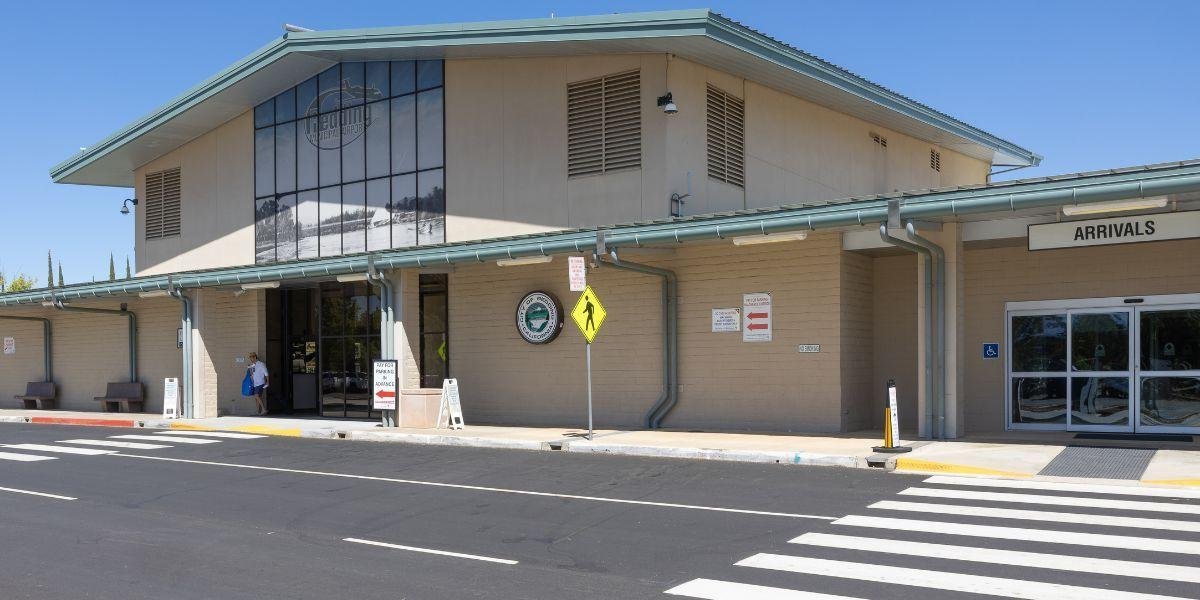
(1103, 463)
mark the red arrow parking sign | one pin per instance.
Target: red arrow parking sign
(756, 322)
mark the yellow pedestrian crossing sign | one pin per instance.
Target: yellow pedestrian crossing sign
(589, 314)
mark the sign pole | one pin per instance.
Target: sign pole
(891, 423)
(589, 384)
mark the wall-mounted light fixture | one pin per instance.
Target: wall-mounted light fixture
(770, 238)
(351, 277)
(524, 260)
(154, 294)
(1095, 208)
(126, 203)
(668, 104)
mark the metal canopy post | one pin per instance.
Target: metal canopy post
(387, 326)
(186, 377)
(47, 343)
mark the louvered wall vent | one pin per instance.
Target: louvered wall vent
(726, 137)
(879, 139)
(162, 204)
(604, 124)
(935, 160)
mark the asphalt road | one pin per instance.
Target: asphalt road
(269, 517)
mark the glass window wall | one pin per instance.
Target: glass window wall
(350, 161)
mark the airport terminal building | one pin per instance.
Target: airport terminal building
(774, 238)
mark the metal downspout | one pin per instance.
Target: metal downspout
(125, 312)
(47, 343)
(189, 409)
(929, 341)
(387, 326)
(940, 262)
(670, 394)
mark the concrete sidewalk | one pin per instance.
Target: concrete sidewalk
(1015, 454)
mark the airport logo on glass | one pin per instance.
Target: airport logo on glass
(539, 318)
(335, 128)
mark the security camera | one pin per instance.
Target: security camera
(668, 104)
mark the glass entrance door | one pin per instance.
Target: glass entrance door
(1168, 376)
(1101, 370)
(1105, 365)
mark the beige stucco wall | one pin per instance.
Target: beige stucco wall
(820, 295)
(994, 276)
(506, 148)
(217, 210)
(896, 337)
(92, 349)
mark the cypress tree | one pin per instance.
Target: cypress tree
(128, 272)
(49, 270)
(112, 268)
(60, 277)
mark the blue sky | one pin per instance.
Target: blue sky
(1089, 85)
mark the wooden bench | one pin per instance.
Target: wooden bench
(122, 393)
(39, 391)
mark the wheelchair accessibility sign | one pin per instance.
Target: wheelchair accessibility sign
(991, 350)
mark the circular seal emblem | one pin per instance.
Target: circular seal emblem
(539, 317)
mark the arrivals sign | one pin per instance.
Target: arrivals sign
(384, 385)
(756, 317)
(1115, 230)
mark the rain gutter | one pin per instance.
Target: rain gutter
(932, 205)
(929, 318)
(124, 312)
(670, 342)
(47, 341)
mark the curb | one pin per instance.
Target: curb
(1172, 482)
(750, 456)
(259, 429)
(441, 440)
(917, 465)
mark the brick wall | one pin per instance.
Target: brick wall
(724, 383)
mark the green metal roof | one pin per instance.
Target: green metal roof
(1179, 180)
(698, 34)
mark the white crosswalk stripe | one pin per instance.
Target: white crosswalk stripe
(711, 589)
(115, 444)
(1038, 515)
(164, 439)
(1076, 501)
(1062, 486)
(1036, 560)
(1088, 547)
(24, 457)
(58, 449)
(1098, 540)
(216, 434)
(941, 580)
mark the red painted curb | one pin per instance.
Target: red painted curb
(84, 421)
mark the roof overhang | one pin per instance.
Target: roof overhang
(698, 35)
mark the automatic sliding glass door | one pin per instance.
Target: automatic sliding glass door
(1101, 370)
(1168, 379)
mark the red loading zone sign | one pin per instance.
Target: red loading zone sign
(756, 317)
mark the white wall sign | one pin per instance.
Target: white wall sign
(451, 410)
(577, 273)
(726, 319)
(10, 345)
(1115, 230)
(803, 348)
(170, 398)
(894, 413)
(756, 317)
(384, 385)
